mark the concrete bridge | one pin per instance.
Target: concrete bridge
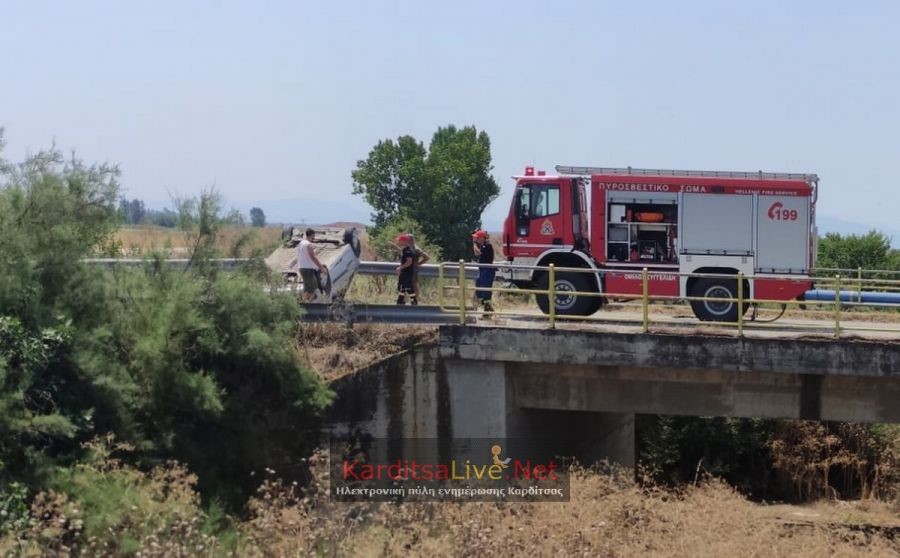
(586, 386)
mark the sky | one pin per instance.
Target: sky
(273, 102)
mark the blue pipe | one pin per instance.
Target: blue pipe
(853, 296)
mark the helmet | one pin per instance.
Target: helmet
(480, 234)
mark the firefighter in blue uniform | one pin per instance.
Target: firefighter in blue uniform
(485, 254)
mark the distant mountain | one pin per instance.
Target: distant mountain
(835, 225)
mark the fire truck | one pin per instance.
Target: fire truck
(679, 225)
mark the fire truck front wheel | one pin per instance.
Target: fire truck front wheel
(711, 310)
(566, 302)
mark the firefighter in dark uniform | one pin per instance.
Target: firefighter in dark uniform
(485, 254)
(406, 288)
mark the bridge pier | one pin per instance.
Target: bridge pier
(483, 404)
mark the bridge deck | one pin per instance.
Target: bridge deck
(625, 321)
(684, 373)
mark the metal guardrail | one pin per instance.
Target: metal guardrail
(365, 267)
(837, 307)
(852, 279)
(378, 313)
(175, 263)
(426, 270)
(841, 281)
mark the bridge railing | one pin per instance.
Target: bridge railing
(858, 280)
(458, 295)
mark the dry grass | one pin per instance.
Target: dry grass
(138, 240)
(608, 515)
(333, 350)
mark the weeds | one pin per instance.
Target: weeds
(106, 508)
(333, 350)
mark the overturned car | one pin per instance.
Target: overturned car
(338, 249)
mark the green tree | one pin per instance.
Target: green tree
(445, 189)
(868, 251)
(133, 211)
(257, 217)
(196, 365)
(53, 212)
(383, 244)
(893, 262)
(162, 218)
(392, 179)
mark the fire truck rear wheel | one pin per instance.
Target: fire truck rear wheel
(712, 310)
(568, 304)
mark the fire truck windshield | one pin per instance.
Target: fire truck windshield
(545, 200)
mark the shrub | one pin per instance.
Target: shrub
(196, 365)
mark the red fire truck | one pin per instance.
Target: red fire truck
(670, 222)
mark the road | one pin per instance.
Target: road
(621, 319)
(629, 320)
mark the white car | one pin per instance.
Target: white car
(338, 249)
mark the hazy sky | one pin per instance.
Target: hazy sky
(273, 100)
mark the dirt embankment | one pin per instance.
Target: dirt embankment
(333, 350)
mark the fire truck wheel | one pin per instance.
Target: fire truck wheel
(713, 310)
(569, 304)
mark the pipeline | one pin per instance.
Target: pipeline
(826, 295)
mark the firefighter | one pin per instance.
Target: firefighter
(485, 280)
(421, 258)
(406, 288)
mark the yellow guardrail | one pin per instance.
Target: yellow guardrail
(865, 279)
(860, 281)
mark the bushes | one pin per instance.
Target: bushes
(675, 449)
(193, 365)
(817, 459)
(212, 365)
(103, 506)
(783, 459)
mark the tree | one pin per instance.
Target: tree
(133, 211)
(170, 362)
(444, 189)
(234, 218)
(392, 178)
(257, 217)
(868, 251)
(53, 212)
(162, 218)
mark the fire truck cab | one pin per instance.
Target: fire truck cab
(615, 222)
